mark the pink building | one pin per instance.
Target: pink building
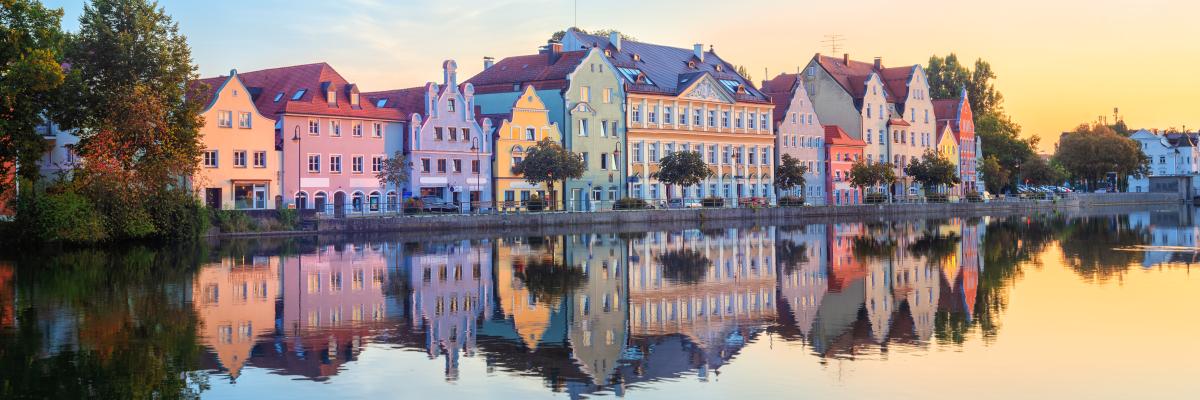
(841, 151)
(452, 289)
(332, 141)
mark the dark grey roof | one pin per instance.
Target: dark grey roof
(666, 67)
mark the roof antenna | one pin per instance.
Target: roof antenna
(576, 23)
(833, 41)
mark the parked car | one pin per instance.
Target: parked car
(683, 203)
(436, 204)
(752, 202)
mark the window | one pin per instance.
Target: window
(868, 111)
(725, 119)
(377, 164)
(225, 119)
(762, 122)
(697, 117)
(437, 133)
(441, 165)
(357, 129)
(424, 165)
(752, 156)
(667, 115)
(299, 94)
(453, 133)
(314, 163)
(457, 166)
(530, 134)
(637, 113)
(725, 155)
(585, 94)
(335, 128)
(812, 71)
(750, 122)
(603, 128)
(356, 164)
(335, 163)
(239, 158)
(634, 74)
(260, 159)
(475, 166)
(244, 120)
(869, 134)
(912, 114)
(584, 156)
(766, 156)
(712, 118)
(652, 117)
(378, 130)
(466, 134)
(314, 127)
(653, 148)
(712, 154)
(278, 96)
(583, 127)
(381, 103)
(210, 159)
(613, 128)
(740, 117)
(637, 152)
(607, 95)
(450, 105)
(732, 85)
(603, 160)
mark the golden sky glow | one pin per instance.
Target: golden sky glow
(1060, 62)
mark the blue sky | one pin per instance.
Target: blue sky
(1061, 62)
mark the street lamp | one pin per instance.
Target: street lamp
(299, 168)
(619, 164)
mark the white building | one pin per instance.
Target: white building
(1169, 154)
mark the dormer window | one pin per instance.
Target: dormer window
(381, 103)
(299, 94)
(332, 97)
(637, 57)
(720, 68)
(607, 53)
(278, 96)
(354, 99)
(450, 105)
(692, 64)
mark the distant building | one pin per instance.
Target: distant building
(1170, 154)
(956, 114)
(798, 132)
(841, 151)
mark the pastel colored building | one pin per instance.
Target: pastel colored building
(957, 115)
(841, 151)
(239, 166)
(235, 305)
(803, 279)
(527, 123)
(529, 316)
(449, 148)
(947, 147)
(333, 141)
(908, 101)
(689, 100)
(451, 289)
(585, 97)
(599, 316)
(60, 159)
(798, 132)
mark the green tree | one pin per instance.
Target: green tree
(948, 77)
(395, 171)
(30, 49)
(684, 266)
(683, 168)
(1039, 171)
(1090, 152)
(872, 177)
(790, 173)
(548, 162)
(995, 177)
(933, 171)
(745, 73)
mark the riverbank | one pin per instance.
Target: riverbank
(430, 224)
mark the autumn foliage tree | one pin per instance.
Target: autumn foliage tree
(1090, 152)
(30, 50)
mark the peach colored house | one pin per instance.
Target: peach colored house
(239, 168)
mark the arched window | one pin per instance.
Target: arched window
(356, 202)
(373, 201)
(319, 201)
(301, 200)
(392, 201)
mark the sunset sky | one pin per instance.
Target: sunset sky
(1060, 62)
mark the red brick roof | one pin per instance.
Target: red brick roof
(835, 135)
(896, 80)
(781, 89)
(946, 109)
(850, 76)
(265, 85)
(203, 90)
(533, 69)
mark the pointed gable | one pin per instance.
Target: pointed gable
(703, 86)
(781, 89)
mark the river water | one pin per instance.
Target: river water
(1102, 305)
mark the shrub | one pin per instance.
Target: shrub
(712, 202)
(288, 219)
(413, 205)
(534, 203)
(874, 198)
(176, 215)
(630, 203)
(65, 217)
(973, 197)
(936, 198)
(791, 201)
(233, 221)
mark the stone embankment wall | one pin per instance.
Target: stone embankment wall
(444, 223)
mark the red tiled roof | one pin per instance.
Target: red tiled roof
(896, 80)
(205, 89)
(265, 85)
(946, 109)
(898, 122)
(835, 135)
(405, 101)
(781, 89)
(534, 69)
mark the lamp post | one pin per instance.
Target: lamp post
(299, 168)
(618, 164)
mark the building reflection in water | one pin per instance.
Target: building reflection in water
(451, 287)
(235, 304)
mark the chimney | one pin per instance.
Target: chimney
(846, 58)
(878, 63)
(698, 49)
(555, 51)
(614, 37)
(488, 62)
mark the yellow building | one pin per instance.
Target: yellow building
(239, 167)
(528, 123)
(529, 315)
(947, 146)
